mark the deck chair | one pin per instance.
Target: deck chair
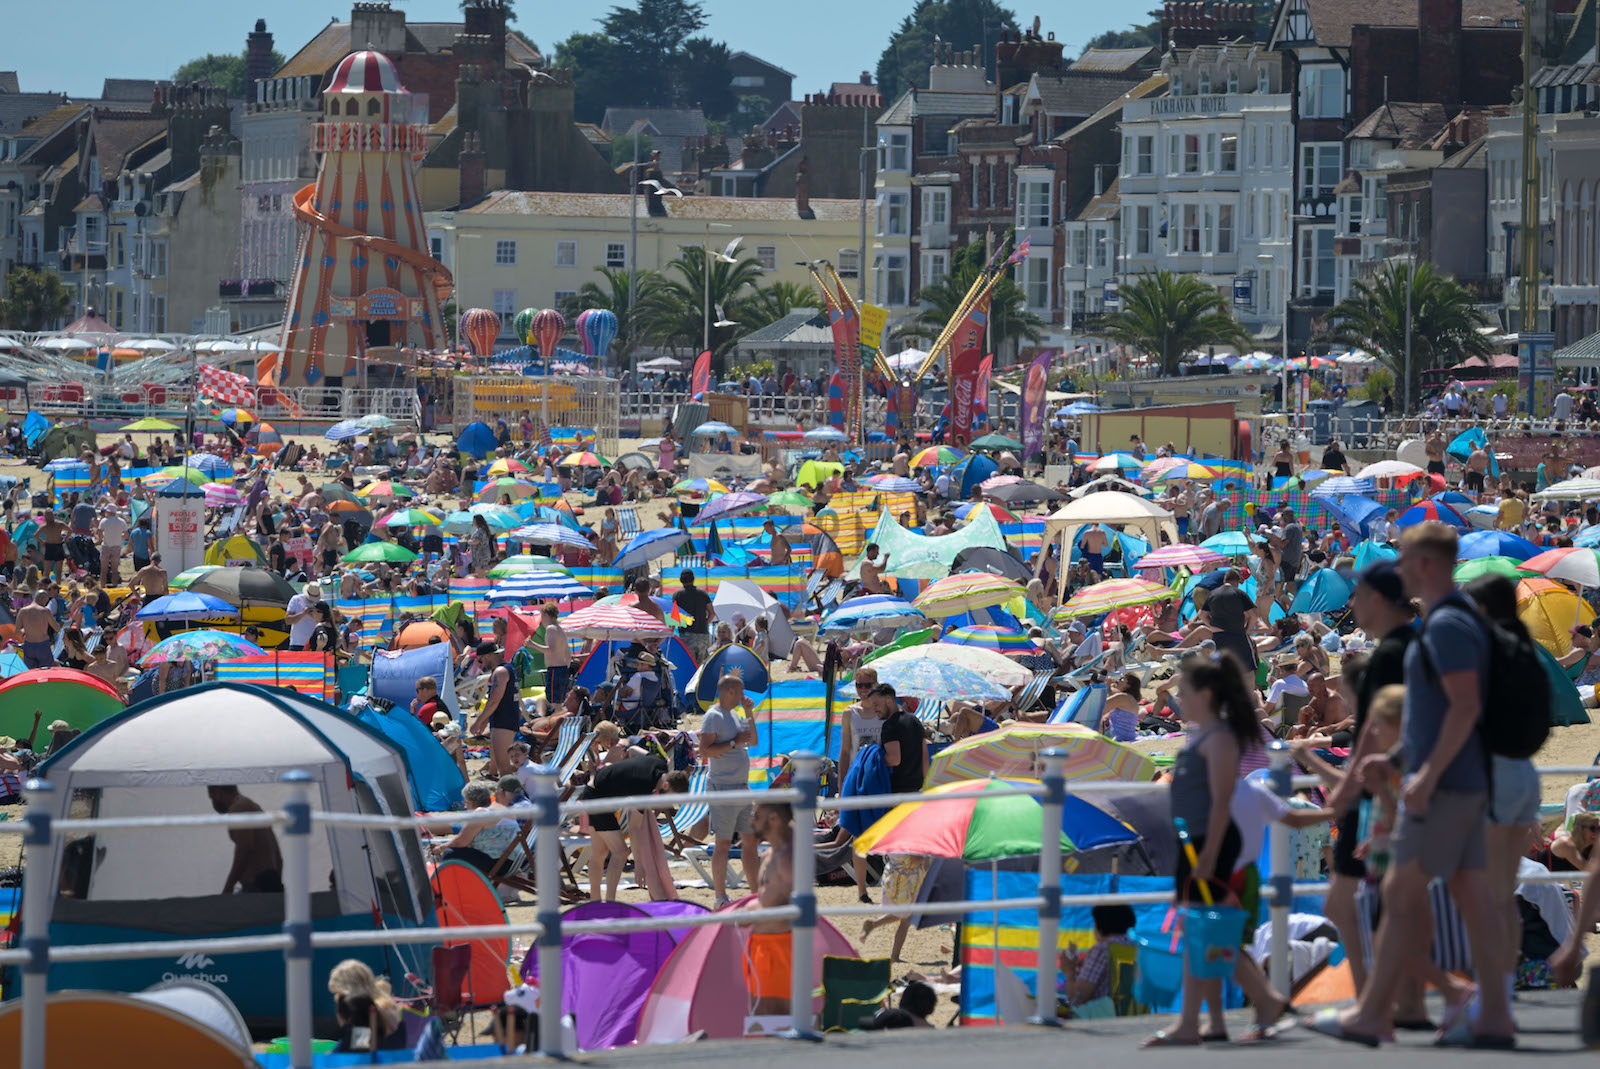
(514, 867)
(1034, 690)
(930, 712)
(1080, 674)
(1124, 970)
(852, 988)
(441, 1000)
(567, 738)
(1289, 713)
(570, 764)
(627, 522)
(675, 833)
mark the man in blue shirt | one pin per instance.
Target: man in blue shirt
(1439, 828)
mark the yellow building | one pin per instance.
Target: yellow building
(515, 250)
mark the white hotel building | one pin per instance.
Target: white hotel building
(1205, 179)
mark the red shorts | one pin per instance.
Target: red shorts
(767, 965)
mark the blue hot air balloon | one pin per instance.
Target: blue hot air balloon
(599, 330)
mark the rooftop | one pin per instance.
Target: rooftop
(1332, 20)
(1149, 87)
(1408, 124)
(919, 102)
(1069, 94)
(616, 206)
(332, 43)
(1112, 60)
(19, 109)
(803, 326)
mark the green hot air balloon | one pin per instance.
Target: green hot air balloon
(523, 324)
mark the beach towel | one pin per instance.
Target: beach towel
(869, 774)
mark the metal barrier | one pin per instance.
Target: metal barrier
(298, 939)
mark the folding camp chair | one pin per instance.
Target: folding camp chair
(675, 833)
(441, 1000)
(1124, 970)
(852, 988)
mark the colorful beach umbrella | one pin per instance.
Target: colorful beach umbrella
(991, 637)
(999, 512)
(993, 666)
(1550, 611)
(1509, 567)
(234, 416)
(515, 489)
(386, 488)
(583, 460)
(613, 622)
(1573, 564)
(549, 534)
(184, 605)
(539, 586)
(935, 455)
(527, 562)
(506, 466)
(1113, 594)
(410, 518)
(1181, 556)
(168, 475)
(705, 486)
(988, 826)
(1015, 750)
(875, 612)
(202, 645)
(712, 429)
(372, 552)
(1432, 510)
(182, 580)
(219, 495)
(935, 680)
(965, 592)
(647, 546)
(729, 505)
(825, 434)
(1116, 462)
(346, 429)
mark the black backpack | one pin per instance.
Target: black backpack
(1515, 721)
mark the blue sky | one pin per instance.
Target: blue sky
(819, 41)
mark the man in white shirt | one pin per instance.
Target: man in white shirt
(941, 485)
(1563, 405)
(297, 614)
(725, 741)
(113, 529)
(1499, 406)
(1284, 682)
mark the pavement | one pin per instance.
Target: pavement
(1547, 1022)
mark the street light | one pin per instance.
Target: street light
(726, 256)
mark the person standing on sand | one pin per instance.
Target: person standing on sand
(769, 950)
(38, 628)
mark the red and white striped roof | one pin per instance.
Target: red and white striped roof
(366, 72)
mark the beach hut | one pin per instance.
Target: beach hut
(159, 758)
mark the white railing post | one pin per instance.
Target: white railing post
(297, 916)
(547, 880)
(803, 896)
(38, 891)
(1051, 806)
(1282, 876)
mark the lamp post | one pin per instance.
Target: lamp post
(1411, 274)
(1268, 261)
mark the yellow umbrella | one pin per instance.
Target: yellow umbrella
(1549, 611)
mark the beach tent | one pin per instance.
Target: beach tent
(1324, 590)
(465, 899)
(395, 673)
(606, 975)
(910, 553)
(81, 699)
(968, 472)
(744, 596)
(701, 987)
(66, 440)
(435, 778)
(235, 548)
(183, 1023)
(1111, 507)
(1550, 611)
(166, 882)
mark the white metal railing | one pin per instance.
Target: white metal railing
(297, 939)
(284, 408)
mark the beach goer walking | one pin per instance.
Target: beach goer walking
(725, 741)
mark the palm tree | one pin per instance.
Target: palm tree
(1444, 320)
(613, 293)
(674, 314)
(771, 303)
(1009, 317)
(1165, 315)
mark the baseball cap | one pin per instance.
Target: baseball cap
(1383, 579)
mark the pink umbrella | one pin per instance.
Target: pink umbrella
(1181, 556)
(220, 494)
(613, 621)
(702, 987)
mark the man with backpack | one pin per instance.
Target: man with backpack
(1439, 830)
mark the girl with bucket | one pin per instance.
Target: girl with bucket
(1221, 719)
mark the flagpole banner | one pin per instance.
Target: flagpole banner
(700, 383)
(1034, 402)
(980, 393)
(966, 347)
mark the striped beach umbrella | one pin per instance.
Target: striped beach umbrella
(539, 586)
(386, 488)
(549, 534)
(613, 622)
(506, 466)
(991, 637)
(875, 612)
(219, 495)
(702, 486)
(1433, 510)
(1115, 462)
(936, 455)
(1000, 514)
(583, 460)
(1015, 750)
(410, 518)
(1113, 594)
(1181, 556)
(527, 562)
(515, 489)
(892, 484)
(1573, 564)
(997, 668)
(965, 592)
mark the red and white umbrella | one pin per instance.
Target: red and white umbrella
(1573, 564)
(220, 494)
(999, 480)
(613, 621)
(1180, 556)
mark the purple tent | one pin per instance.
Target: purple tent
(605, 977)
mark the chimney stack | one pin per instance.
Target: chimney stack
(802, 191)
(257, 58)
(470, 166)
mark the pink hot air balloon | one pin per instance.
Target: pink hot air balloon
(581, 330)
(480, 326)
(548, 327)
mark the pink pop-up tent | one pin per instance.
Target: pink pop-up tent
(701, 988)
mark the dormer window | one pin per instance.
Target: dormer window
(1205, 84)
(373, 107)
(1177, 85)
(1263, 82)
(1233, 83)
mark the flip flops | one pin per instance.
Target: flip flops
(1327, 1022)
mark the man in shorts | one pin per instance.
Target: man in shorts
(769, 951)
(1439, 830)
(725, 741)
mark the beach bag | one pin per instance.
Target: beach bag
(1515, 721)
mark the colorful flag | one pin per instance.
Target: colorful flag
(1020, 253)
(700, 382)
(226, 386)
(980, 395)
(1034, 403)
(966, 347)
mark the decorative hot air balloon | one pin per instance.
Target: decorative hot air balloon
(481, 327)
(580, 328)
(598, 331)
(548, 327)
(522, 325)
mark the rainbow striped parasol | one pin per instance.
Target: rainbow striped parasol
(936, 455)
(962, 593)
(1180, 556)
(1113, 594)
(1015, 750)
(991, 637)
(988, 826)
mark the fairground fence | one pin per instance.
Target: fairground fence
(285, 408)
(297, 939)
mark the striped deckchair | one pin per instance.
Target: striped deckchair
(567, 736)
(575, 758)
(627, 522)
(930, 712)
(1034, 690)
(675, 832)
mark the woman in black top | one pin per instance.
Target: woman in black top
(325, 636)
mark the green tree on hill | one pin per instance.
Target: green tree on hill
(225, 71)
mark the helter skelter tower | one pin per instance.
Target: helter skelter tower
(364, 280)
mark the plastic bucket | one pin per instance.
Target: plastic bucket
(1160, 968)
(1211, 937)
